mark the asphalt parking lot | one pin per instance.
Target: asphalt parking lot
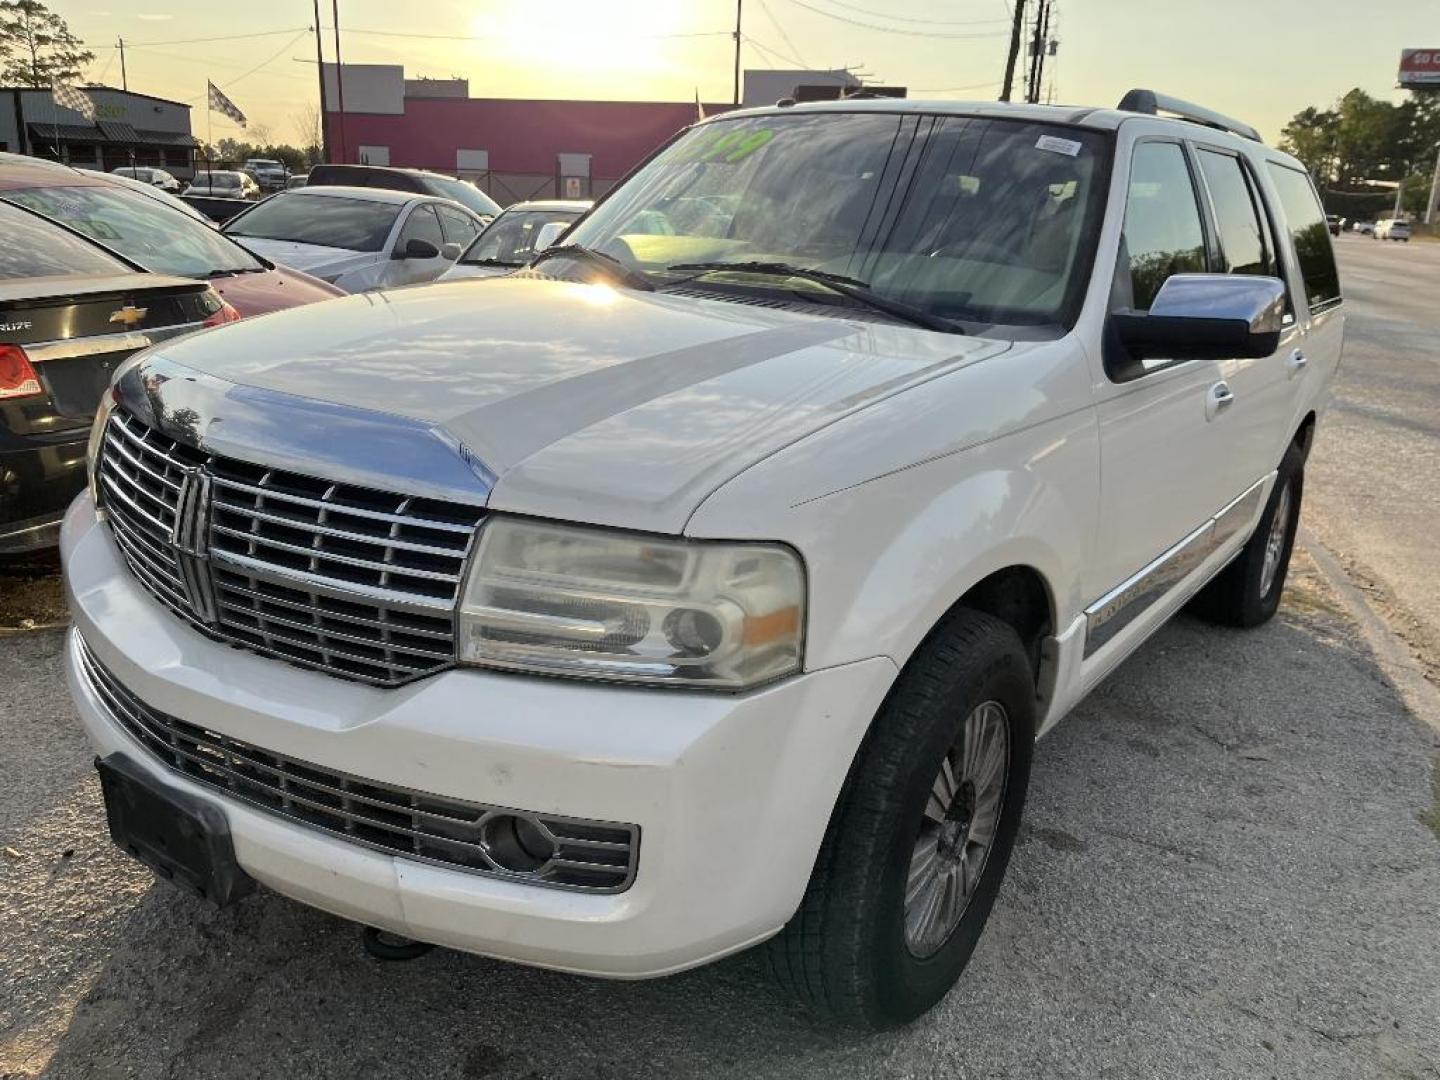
(1230, 865)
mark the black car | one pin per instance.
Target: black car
(70, 312)
(397, 179)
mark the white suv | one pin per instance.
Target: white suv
(1392, 229)
(707, 584)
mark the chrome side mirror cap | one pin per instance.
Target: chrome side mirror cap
(1198, 317)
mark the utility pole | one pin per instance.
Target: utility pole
(739, 9)
(339, 76)
(320, 69)
(1042, 47)
(1037, 45)
(124, 80)
(1016, 32)
(1434, 191)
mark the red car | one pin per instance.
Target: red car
(159, 238)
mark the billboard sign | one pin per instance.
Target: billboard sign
(1420, 67)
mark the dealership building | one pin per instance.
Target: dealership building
(513, 148)
(128, 129)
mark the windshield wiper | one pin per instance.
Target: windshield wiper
(634, 278)
(490, 262)
(849, 287)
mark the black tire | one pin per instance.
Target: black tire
(1235, 596)
(844, 953)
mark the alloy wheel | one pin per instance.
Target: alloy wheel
(1275, 542)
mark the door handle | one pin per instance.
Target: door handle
(1217, 399)
(1296, 362)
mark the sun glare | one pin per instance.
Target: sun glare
(583, 34)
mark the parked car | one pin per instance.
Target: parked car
(268, 175)
(156, 177)
(358, 238)
(298, 180)
(153, 235)
(1392, 229)
(70, 312)
(416, 181)
(1334, 222)
(226, 184)
(687, 590)
(1365, 228)
(510, 240)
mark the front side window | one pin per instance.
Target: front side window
(326, 221)
(459, 228)
(509, 240)
(141, 228)
(1243, 240)
(1163, 235)
(422, 224)
(991, 227)
(1306, 223)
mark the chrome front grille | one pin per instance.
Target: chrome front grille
(359, 583)
(541, 849)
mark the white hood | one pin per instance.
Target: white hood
(586, 403)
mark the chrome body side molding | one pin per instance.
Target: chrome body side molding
(1123, 604)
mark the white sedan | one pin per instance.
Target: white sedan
(513, 238)
(358, 238)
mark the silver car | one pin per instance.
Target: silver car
(513, 238)
(358, 238)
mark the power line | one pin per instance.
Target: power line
(911, 19)
(949, 35)
(958, 89)
(786, 37)
(271, 59)
(199, 41)
(772, 54)
(491, 37)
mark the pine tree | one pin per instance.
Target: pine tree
(37, 47)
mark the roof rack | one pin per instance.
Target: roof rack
(1152, 104)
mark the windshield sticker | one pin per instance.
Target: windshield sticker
(727, 148)
(1068, 147)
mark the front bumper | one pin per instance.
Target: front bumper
(732, 793)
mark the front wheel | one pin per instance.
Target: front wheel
(1247, 592)
(920, 838)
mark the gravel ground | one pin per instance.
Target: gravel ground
(1230, 868)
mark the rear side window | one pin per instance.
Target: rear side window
(35, 248)
(1306, 221)
(1243, 240)
(1163, 235)
(353, 224)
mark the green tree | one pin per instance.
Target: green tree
(37, 47)
(1310, 136)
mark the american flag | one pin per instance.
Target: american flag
(222, 104)
(72, 97)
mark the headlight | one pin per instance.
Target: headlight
(97, 436)
(570, 600)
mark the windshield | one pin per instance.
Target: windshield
(463, 193)
(325, 220)
(139, 227)
(977, 220)
(510, 239)
(218, 180)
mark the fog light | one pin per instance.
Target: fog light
(516, 843)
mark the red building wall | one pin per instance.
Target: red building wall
(522, 137)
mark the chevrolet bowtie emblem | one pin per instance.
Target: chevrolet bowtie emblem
(129, 315)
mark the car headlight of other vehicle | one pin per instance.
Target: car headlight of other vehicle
(97, 436)
(603, 604)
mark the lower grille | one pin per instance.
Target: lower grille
(539, 849)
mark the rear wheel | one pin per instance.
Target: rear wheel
(922, 833)
(1247, 592)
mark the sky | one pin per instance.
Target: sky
(1259, 60)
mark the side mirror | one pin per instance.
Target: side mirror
(451, 251)
(549, 233)
(416, 248)
(1206, 317)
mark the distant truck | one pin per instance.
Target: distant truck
(269, 174)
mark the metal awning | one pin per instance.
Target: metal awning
(48, 133)
(118, 132)
(108, 131)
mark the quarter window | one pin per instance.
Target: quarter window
(1163, 235)
(1306, 221)
(1237, 218)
